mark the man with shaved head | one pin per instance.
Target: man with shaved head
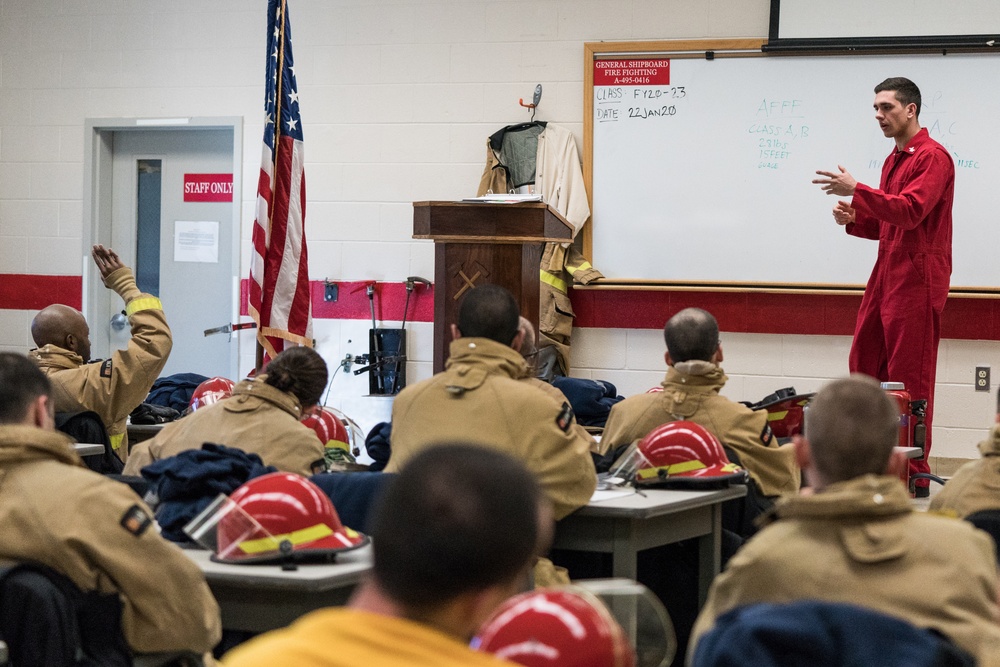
(691, 392)
(114, 387)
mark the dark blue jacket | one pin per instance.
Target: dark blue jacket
(185, 484)
(821, 634)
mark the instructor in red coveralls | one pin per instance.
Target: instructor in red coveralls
(899, 323)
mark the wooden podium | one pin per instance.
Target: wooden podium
(476, 243)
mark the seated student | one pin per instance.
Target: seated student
(481, 398)
(857, 539)
(55, 512)
(454, 535)
(976, 485)
(261, 417)
(691, 392)
(112, 388)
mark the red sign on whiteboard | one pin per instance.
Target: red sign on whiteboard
(208, 187)
(631, 72)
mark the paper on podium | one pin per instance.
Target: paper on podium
(504, 198)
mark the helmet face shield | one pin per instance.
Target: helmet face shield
(631, 461)
(236, 525)
(641, 615)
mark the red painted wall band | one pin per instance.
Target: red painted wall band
(352, 301)
(739, 312)
(27, 292)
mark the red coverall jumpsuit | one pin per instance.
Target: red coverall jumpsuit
(899, 323)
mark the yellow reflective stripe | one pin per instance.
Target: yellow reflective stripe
(675, 469)
(145, 303)
(263, 544)
(558, 283)
(582, 267)
(678, 468)
(775, 416)
(116, 440)
(337, 444)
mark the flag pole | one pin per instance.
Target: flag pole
(279, 80)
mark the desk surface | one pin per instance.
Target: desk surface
(625, 525)
(655, 502)
(140, 432)
(88, 449)
(910, 452)
(311, 577)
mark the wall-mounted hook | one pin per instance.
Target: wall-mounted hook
(536, 98)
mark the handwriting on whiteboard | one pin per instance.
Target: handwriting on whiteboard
(778, 127)
(615, 103)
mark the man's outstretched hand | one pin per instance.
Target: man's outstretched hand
(106, 259)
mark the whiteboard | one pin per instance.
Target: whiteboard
(706, 179)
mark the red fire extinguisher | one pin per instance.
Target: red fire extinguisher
(897, 391)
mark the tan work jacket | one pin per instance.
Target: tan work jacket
(691, 392)
(113, 388)
(479, 399)
(860, 542)
(257, 418)
(559, 179)
(559, 397)
(96, 531)
(976, 485)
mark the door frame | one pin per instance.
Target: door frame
(98, 201)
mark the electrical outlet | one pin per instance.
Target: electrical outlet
(982, 378)
(330, 291)
(346, 362)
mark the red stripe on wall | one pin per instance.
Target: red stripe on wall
(29, 292)
(352, 301)
(739, 312)
(752, 312)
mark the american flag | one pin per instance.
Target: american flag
(279, 276)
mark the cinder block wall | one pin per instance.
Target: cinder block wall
(397, 99)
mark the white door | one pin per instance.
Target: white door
(182, 248)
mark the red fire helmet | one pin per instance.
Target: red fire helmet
(211, 391)
(556, 628)
(296, 515)
(329, 429)
(684, 449)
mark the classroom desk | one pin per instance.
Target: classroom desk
(88, 449)
(624, 526)
(139, 432)
(258, 598)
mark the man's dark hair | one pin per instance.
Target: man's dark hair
(691, 334)
(301, 372)
(489, 311)
(906, 91)
(21, 382)
(458, 518)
